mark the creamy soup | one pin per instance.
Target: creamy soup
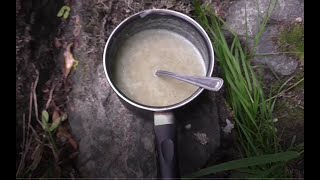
(150, 50)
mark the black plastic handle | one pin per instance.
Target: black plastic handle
(167, 149)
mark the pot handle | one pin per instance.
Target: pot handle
(165, 132)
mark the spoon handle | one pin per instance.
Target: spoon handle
(209, 83)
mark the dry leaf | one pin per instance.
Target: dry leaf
(56, 119)
(73, 143)
(69, 60)
(55, 116)
(62, 132)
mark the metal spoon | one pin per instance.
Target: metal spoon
(210, 83)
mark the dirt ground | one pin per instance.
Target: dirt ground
(39, 85)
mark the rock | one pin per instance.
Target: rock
(298, 20)
(201, 137)
(284, 65)
(236, 17)
(228, 128)
(279, 63)
(187, 126)
(115, 142)
(288, 10)
(197, 144)
(284, 10)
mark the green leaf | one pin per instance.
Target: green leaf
(54, 125)
(45, 119)
(61, 12)
(246, 162)
(45, 116)
(267, 172)
(66, 15)
(64, 12)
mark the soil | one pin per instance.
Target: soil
(34, 52)
(38, 61)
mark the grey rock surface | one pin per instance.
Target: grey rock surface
(279, 63)
(288, 10)
(255, 11)
(113, 141)
(201, 141)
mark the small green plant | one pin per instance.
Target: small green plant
(55, 122)
(64, 12)
(49, 128)
(292, 40)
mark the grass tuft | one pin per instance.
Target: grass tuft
(256, 132)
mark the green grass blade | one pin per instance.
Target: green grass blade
(246, 162)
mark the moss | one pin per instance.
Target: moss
(292, 40)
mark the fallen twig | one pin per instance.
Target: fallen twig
(35, 98)
(23, 130)
(23, 156)
(21, 163)
(35, 103)
(50, 96)
(24, 149)
(30, 108)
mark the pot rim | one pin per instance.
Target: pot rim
(143, 14)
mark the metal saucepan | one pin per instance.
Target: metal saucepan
(164, 125)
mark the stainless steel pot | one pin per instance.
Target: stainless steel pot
(164, 126)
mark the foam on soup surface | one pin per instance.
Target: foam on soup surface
(150, 50)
